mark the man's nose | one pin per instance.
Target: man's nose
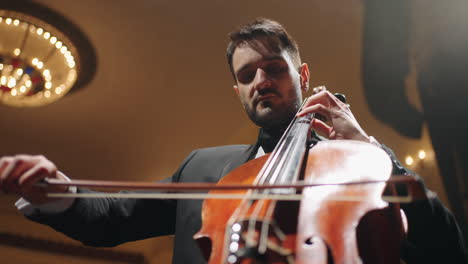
(262, 80)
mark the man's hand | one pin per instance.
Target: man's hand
(340, 124)
(20, 174)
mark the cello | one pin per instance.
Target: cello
(343, 219)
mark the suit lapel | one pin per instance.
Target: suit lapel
(236, 161)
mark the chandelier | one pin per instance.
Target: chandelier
(39, 63)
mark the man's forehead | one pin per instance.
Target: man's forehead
(247, 54)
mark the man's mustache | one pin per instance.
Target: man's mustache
(265, 91)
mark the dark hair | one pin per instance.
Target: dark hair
(270, 33)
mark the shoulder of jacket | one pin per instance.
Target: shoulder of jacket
(226, 148)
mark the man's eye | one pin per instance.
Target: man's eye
(246, 77)
(276, 69)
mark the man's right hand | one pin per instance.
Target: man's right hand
(20, 174)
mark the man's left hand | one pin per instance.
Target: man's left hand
(341, 123)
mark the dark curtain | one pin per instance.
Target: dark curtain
(442, 80)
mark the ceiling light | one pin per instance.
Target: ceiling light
(40, 50)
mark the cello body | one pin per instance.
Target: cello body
(334, 223)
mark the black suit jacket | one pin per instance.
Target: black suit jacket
(433, 234)
(109, 222)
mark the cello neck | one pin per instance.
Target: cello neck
(284, 164)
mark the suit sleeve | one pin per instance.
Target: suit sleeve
(433, 233)
(109, 222)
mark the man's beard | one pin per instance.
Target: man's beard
(272, 117)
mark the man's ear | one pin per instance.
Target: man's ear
(236, 89)
(304, 77)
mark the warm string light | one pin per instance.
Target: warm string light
(409, 160)
(23, 78)
(421, 156)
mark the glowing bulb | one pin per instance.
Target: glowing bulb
(17, 52)
(14, 92)
(236, 227)
(63, 49)
(48, 85)
(16, 22)
(46, 74)
(70, 60)
(8, 21)
(234, 246)
(28, 83)
(19, 72)
(47, 35)
(23, 89)
(409, 160)
(1, 66)
(11, 82)
(58, 45)
(53, 40)
(47, 94)
(421, 154)
(3, 80)
(58, 90)
(40, 65)
(34, 61)
(39, 31)
(232, 259)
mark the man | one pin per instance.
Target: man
(270, 79)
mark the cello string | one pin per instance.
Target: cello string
(263, 176)
(278, 149)
(279, 177)
(280, 153)
(263, 239)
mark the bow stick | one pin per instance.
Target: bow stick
(415, 191)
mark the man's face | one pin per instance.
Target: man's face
(268, 84)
